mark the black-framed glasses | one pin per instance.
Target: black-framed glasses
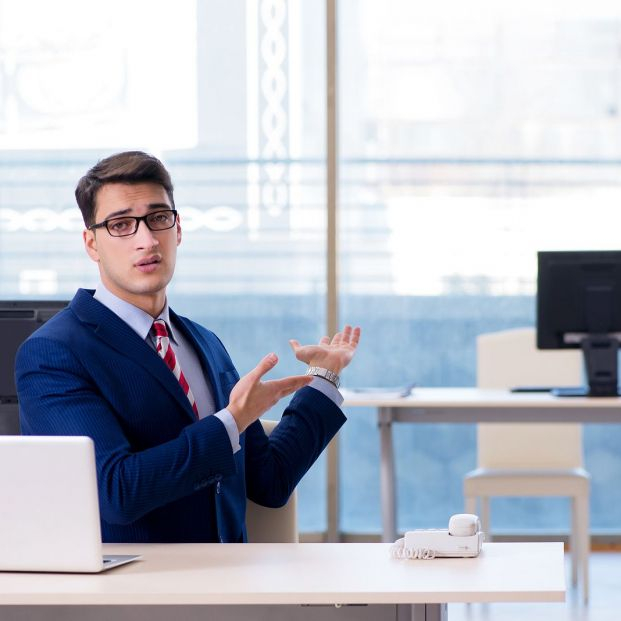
(128, 225)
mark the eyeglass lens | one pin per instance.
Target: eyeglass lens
(156, 221)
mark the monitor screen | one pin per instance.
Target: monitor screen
(18, 320)
(579, 305)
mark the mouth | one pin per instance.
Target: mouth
(148, 261)
(148, 264)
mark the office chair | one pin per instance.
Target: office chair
(269, 525)
(531, 459)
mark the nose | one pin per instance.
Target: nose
(144, 236)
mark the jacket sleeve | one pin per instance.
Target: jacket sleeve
(276, 464)
(57, 396)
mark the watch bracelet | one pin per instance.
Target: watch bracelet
(327, 374)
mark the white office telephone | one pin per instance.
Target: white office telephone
(463, 538)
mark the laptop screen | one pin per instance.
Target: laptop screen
(50, 520)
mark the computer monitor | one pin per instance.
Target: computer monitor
(579, 305)
(18, 320)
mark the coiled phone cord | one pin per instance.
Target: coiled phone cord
(399, 551)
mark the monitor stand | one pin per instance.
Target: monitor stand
(600, 360)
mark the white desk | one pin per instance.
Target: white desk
(469, 405)
(297, 581)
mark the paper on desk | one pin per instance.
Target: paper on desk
(398, 392)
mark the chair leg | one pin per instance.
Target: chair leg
(485, 521)
(470, 504)
(574, 541)
(585, 543)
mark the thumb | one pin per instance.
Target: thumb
(266, 364)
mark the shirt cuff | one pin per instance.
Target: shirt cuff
(328, 389)
(231, 428)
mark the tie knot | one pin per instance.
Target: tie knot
(159, 327)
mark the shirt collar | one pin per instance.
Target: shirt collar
(137, 319)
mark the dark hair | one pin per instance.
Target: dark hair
(128, 167)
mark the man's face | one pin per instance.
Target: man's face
(136, 268)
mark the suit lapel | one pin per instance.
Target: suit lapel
(117, 334)
(206, 357)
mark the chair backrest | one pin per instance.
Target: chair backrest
(268, 525)
(510, 358)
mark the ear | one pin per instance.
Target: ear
(90, 244)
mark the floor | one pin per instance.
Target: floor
(604, 604)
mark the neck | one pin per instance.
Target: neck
(152, 306)
(151, 303)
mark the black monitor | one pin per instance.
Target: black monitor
(18, 320)
(579, 305)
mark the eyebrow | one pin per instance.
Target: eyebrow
(150, 206)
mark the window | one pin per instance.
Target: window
(471, 137)
(230, 96)
(466, 145)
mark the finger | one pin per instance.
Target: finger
(349, 336)
(299, 350)
(337, 339)
(355, 337)
(324, 340)
(267, 364)
(343, 337)
(287, 385)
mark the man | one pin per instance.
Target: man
(178, 443)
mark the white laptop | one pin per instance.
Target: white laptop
(49, 508)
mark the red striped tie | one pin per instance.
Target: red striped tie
(162, 344)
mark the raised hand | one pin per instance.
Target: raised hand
(333, 354)
(251, 397)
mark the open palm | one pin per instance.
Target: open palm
(333, 354)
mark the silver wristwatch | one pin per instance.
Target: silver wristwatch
(331, 376)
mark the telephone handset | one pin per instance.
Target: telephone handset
(463, 538)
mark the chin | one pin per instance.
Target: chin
(153, 288)
(148, 285)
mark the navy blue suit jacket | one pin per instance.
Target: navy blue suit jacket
(162, 475)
